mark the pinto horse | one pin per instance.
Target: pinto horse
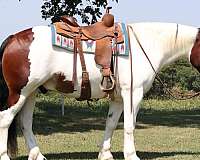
(28, 60)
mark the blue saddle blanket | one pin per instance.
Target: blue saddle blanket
(89, 46)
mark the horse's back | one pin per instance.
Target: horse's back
(161, 26)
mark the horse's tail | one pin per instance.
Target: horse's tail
(4, 92)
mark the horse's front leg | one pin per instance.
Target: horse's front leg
(130, 114)
(114, 114)
(25, 117)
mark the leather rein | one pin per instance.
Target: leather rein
(181, 96)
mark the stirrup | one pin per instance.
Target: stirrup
(112, 80)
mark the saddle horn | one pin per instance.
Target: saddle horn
(108, 19)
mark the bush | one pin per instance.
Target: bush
(177, 75)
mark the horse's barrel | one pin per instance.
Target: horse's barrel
(108, 20)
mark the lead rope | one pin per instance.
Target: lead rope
(182, 97)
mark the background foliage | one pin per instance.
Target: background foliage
(88, 10)
(179, 76)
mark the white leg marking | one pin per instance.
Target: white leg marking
(26, 117)
(3, 143)
(114, 114)
(41, 157)
(6, 117)
(34, 152)
(130, 121)
(5, 157)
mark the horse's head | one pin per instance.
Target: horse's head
(195, 53)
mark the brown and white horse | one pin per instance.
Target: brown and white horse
(28, 60)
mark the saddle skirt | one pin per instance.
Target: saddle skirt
(89, 46)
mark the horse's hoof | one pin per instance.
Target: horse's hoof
(111, 158)
(105, 156)
(132, 157)
(41, 157)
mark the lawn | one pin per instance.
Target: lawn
(166, 130)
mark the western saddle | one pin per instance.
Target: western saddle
(103, 32)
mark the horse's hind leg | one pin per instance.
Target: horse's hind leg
(15, 101)
(26, 117)
(3, 140)
(114, 114)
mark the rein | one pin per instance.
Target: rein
(131, 63)
(180, 97)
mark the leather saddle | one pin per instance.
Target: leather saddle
(99, 30)
(103, 32)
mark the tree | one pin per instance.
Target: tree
(88, 10)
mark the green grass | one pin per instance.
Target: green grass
(166, 130)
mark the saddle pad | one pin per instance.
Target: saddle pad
(88, 46)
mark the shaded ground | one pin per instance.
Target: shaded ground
(79, 117)
(116, 155)
(165, 130)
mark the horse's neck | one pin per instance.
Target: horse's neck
(181, 45)
(165, 42)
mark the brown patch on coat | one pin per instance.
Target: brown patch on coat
(195, 53)
(63, 85)
(16, 65)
